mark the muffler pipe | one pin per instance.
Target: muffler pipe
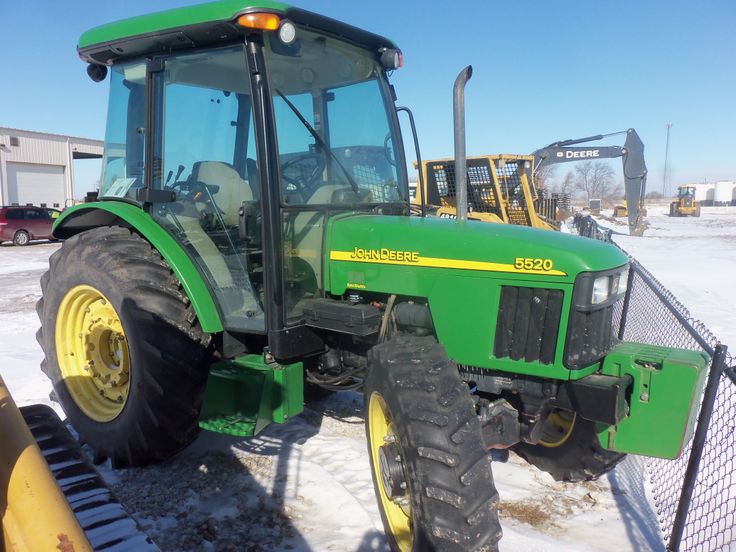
(461, 171)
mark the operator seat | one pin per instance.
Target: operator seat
(231, 192)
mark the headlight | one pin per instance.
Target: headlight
(594, 290)
(590, 326)
(601, 290)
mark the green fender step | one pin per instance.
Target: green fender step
(246, 394)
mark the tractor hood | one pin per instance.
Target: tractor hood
(474, 248)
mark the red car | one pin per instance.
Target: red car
(23, 224)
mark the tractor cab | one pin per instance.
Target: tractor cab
(277, 126)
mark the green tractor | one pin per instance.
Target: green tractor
(252, 234)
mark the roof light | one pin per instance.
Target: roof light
(263, 21)
(287, 32)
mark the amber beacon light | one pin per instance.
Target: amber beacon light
(263, 21)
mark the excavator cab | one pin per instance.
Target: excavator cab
(500, 190)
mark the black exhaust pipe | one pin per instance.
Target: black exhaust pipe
(461, 172)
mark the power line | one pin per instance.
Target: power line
(665, 187)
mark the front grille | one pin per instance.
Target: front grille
(528, 323)
(589, 337)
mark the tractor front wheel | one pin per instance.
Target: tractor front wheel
(431, 474)
(123, 348)
(569, 449)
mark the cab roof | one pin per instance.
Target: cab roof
(202, 25)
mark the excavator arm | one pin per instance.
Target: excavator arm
(634, 166)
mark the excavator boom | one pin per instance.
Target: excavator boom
(634, 166)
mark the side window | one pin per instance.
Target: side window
(14, 214)
(207, 144)
(123, 160)
(33, 214)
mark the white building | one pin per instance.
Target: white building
(37, 168)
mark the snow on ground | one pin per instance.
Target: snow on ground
(306, 485)
(695, 258)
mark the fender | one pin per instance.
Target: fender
(118, 213)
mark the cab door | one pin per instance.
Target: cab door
(204, 153)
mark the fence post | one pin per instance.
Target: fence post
(696, 451)
(627, 299)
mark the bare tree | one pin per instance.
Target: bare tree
(594, 179)
(568, 183)
(543, 177)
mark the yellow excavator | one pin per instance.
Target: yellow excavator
(51, 496)
(500, 190)
(501, 187)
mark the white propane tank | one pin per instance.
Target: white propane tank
(723, 192)
(703, 192)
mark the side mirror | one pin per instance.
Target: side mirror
(391, 58)
(97, 72)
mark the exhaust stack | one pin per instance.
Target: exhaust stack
(461, 172)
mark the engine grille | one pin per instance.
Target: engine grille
(589, 336)
(528, 324)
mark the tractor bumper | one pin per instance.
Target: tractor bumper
(665, 392)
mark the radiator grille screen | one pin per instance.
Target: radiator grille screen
(528, 324)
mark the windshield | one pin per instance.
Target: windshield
(684, 192)
(337, 142)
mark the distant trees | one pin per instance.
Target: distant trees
(543, 177)
(594, 179)
(568, 183)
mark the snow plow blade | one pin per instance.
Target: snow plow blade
(51, 497)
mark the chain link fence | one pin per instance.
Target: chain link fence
(695, 495)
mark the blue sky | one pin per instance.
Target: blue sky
(542, 71)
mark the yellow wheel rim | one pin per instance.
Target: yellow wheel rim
(92, 353)
(381, 432)
(557, 428)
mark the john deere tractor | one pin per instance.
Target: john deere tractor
(253, 233)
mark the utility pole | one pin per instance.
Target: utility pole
(666, 158)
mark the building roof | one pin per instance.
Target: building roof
(13, 131)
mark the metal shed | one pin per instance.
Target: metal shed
(37, 167)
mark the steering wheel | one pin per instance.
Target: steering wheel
(303, 183)
(194, 190)
(388, 147)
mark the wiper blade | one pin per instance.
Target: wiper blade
(320, 142)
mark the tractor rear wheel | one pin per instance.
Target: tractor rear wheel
(569, 449)
(124, 352)
(431, 474)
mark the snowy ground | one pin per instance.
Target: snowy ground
(693, 257)
(306, 485)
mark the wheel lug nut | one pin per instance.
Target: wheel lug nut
(389, 438)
